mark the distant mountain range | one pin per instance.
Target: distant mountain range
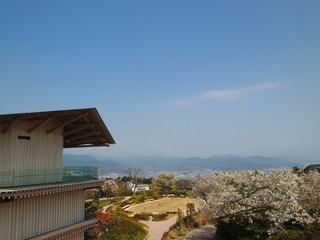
(159, 164)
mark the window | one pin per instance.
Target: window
(24, 137)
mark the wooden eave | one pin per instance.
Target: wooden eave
(8, 194)
(67, 232)
(81, 127)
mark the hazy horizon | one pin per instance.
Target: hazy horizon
(291, 158)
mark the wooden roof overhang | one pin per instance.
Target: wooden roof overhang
(67, 232)
(81, 127)
(8, 194)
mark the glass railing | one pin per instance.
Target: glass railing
(79, 173)
(27, 177)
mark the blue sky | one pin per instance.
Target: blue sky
(171, 78)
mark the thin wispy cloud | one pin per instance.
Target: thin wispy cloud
(227, 94)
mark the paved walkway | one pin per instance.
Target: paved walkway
(104, 209)
(203, 233)
(158, 228)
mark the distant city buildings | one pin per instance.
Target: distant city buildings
(137, 187)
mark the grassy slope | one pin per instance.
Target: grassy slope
(170, 204)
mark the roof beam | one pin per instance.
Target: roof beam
(45, 121)
(91, 140)
(10, 125)
(88, 121)
(78, 129)
(88, 134)
(88, 145)
(66, 123)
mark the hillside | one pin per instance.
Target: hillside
(105, 166)
(159, 164)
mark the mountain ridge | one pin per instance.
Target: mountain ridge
(161, 164)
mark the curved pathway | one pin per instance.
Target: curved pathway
(104, 209)
(145, 203)
(158, 228)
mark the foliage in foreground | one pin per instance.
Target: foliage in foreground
(126, 229)
(306, 234)
(117, 225)
(243, 228)
(258, 204)
(183, 225)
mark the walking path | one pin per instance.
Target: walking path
(203, 233)
(158, 228)
(104, 209)
(145, 203)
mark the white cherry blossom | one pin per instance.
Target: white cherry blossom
(282, 195)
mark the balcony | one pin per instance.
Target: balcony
(79, 174)
(68, 231)
(29, 177)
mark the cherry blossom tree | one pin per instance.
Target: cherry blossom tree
(135, 175)
(280, 196)
(309, 194)
(110, 188)
(164, 182)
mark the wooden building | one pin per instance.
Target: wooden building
(35, 201)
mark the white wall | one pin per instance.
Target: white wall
(28, 217)
(40, 156)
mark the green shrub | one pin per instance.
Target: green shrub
(243, 229)
(126, 228)
(124, 203)
(144, 216)
(297, 235)
(165, 235)
(156, 196)
(178, 193)
(149, 193)
(138, 199)
(91, 207)
(159, 217)
(116, 200)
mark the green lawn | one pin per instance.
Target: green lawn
(170, 204)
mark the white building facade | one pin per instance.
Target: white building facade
(35, 200)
